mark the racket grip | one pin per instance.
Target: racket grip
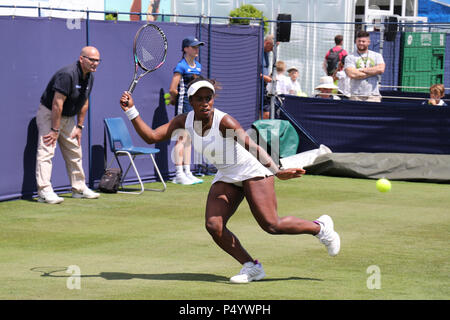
(130, 90)
(132, 86)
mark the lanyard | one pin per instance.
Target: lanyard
(364, 60)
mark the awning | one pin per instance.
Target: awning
(442, 2)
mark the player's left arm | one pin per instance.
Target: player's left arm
(231, 127)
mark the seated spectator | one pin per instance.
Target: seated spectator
(325, 88)
(292, 85)
(437, 92)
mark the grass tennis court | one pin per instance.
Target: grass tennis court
(155, 246)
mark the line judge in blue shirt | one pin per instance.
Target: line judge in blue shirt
(184, 72)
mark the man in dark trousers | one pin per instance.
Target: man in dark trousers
(60, 119)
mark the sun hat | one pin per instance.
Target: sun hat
(326, 82)
(292, 68)
(193, 88)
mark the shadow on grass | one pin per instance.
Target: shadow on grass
(184, 277)
(53, 272)
(164, 276)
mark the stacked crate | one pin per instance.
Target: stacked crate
(422, 60)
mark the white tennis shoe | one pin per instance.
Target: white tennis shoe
(86, 194)
(193, 178)
(328, 236)
(250, 272)
(49, 197)
(182, 179)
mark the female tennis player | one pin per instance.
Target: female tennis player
(244, 170)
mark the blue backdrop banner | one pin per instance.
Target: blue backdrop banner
(388, 127)
(38, 47)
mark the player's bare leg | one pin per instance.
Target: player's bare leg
(260, 195)
(223, 200)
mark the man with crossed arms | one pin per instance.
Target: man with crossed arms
(363, 67)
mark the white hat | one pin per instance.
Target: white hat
(193, 88)
(292, 68)
(326, 83)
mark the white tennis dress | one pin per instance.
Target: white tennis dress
(233, 162)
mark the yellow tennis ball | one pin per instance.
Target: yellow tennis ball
(167, 95)
(167, 102)
(383, 185)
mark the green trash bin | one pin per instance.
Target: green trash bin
(278, 137)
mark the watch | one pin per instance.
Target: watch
(80, 126)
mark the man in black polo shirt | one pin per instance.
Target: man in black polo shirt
(60, 119)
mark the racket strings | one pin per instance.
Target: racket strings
(150, 48)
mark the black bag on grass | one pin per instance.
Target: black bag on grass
(110, 181)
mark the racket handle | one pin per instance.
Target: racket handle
(130, 90)
(132, 86)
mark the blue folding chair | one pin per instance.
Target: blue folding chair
(121, 145)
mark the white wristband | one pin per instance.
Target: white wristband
(132, 113)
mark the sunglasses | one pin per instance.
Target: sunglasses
(93, 60)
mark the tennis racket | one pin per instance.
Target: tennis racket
(149, 51)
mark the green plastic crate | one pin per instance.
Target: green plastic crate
(423, 39)
(423, 56)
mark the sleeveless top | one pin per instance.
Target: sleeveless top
(233, 162)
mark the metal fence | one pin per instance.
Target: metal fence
(310, 41)
(308, 44)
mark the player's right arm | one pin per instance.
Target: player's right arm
(148, 134)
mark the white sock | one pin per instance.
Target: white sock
(187, 169)
(320, 234)
(179, 170)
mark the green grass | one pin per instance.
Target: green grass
(155, 246)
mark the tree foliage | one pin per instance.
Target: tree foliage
(247, 11)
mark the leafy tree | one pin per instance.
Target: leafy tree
(247, 11)
(111, 16)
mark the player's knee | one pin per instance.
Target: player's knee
(214, 227)
(271, 227)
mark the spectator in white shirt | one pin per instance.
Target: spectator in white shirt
(292, 85)
(281, 79)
